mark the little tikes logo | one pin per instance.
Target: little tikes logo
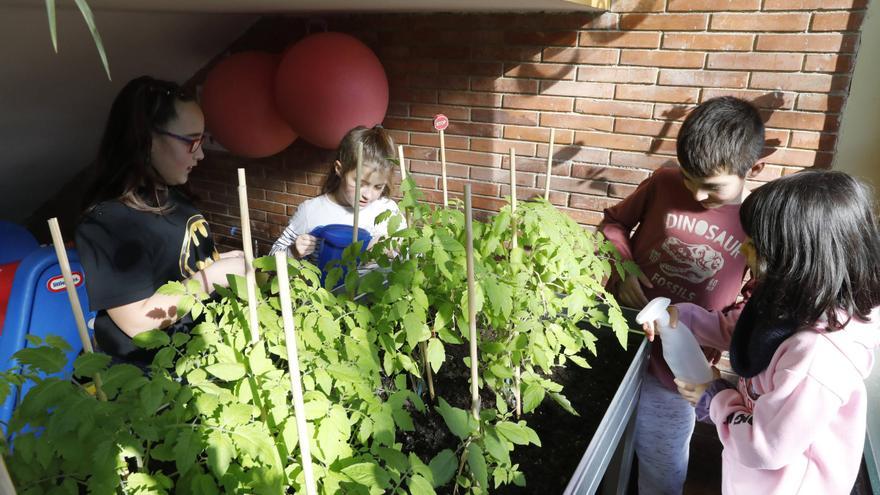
(56, 283)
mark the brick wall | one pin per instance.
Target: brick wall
(615, 85)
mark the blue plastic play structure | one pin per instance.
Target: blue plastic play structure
(334, 239)
(36, 301)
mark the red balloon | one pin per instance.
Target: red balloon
(328, 83)
(238, 99)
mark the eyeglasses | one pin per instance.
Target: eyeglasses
(194, 143)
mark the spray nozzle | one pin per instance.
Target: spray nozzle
(655, 310)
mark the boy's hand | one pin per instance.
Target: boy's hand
(304, 245)
(652, 329)
(630, 292)
(692, 392)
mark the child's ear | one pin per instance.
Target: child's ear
(756, 169)
(338, 168)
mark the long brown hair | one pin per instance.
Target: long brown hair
(378, 152)
(123, 168)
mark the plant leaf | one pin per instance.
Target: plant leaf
(228, 372)
(443, 467)
(90, 22)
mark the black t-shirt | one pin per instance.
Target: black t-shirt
(128, 254)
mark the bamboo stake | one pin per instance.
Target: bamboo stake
(293, 367)
(472, 302)
(549, 165)
(423, 348)
(443, 169)
(64, 262)
(6, 485)
(357, 191)
(514, 243)
(250, 275)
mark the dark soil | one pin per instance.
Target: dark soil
(564, 437)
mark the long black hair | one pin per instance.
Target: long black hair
(817, 246)
(123, 168)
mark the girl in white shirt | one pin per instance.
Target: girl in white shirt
(335, 204)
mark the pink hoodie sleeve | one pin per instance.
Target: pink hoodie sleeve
(711, 328)
(782, 424)
(620, 219)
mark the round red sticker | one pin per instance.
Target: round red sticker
(440, 122)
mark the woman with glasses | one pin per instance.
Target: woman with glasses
(139, 229)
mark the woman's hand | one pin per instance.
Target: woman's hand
(651, 328)
(304, 245)
(692, 392)
(630, 293)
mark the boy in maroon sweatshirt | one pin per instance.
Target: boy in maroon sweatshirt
(686, 243)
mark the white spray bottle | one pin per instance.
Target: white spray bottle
(680, 348)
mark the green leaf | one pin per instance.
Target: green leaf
(436, 354)
(443, 467)
(458, 420)
(143, 483)
(516, 433)
(43, 359)
(90, 21)
(220, 453)
(172, 289)
(477, 465)
(564, 402)
(496, 447)
(57, 341)
(579, 361)
(500, 371)
(228, 372)
(53, 30)
(532, 397)
(152, 339)
(420, 486)
(368, 474)
(416, 329)
(186, 450)
(204, 484)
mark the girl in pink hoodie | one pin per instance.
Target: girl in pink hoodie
(802, 345)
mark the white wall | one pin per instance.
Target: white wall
(53, 107)
(858, 151)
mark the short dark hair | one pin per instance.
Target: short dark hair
(817, 245)
(722, 135)
(378, 152)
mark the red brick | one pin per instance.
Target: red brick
(600, 56)
(798, 158)
(611, 174)
(433, 139)
(582, 122)
(574, 20)
(776, 137)
(526, 193)
(813, 140)
(479, 130)
(641, 160)
(837, 21)
(583, 217)
(579, 88)
(712, 5)
(477, 187)
(704, 78)
(426, 181)
(761, 99)
(588, 202)
(419, 125)
(638, 5)
(504, 116)
(470, 99)
(398, 109)
(820, 102)
(760, 22)
(551, 103)
(646, 127)
(629, 39)
(828, 62)
(802, 121)
(278, 197)
(473, 158)
(433, 168)
(504, 85)
(437, 81)
(413, 95)
(814, 4)
(620, 190)
(500, 146)
(653, 58)
(613, 141)
(531, 165)
(405, 67)
(472, 68)
(669, 94)
(664, 22)
(575, 154)
(502, 176)
(541, 71)
(755, 61)
(494, 53)
(791, 82)
(617, 74)
(568, 184)
(429, 111)
(708, 41)
(449, 52)
(671, 113)
(421, 153)
(309, 190)
(539, 134)
(543, 38)
(801, 42)
(265, 206)
(614, 108)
